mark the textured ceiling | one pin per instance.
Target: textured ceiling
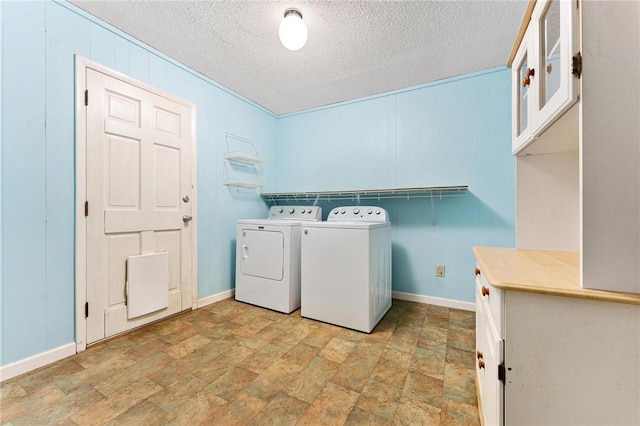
(355, 48)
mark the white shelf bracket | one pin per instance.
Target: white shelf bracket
(433, 213)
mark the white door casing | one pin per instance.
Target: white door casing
(135, 155)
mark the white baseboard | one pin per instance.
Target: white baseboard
(430, 300)
(215, 298)
(36, 361)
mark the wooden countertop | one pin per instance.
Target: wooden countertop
(539, 271)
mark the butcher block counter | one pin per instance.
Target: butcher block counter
(540, 271)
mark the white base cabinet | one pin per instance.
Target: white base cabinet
(566, 360)
(489, 355)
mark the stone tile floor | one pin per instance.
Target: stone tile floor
(235, 364)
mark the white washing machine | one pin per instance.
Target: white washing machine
(268, 257)
(346, 267)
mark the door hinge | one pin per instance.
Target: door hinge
(576, 65)
(86, 208)
(86, 310)
(502, 373)
(86, 97)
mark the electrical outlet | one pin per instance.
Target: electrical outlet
(439, 270)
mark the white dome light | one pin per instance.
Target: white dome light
(293, 31)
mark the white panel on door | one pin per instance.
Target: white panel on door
(262, 253)
(121, 246)
(147, 283)
(167, 176)
(169, 241)
(123, 107)
(124, 172)
(167, 121)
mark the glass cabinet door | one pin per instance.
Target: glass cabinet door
(522, 76)
(543, 87)
(523, 94)
(550, 49)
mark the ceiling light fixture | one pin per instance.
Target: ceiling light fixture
(293, 31)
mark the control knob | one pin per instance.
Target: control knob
(280, 211)
(336, 211)
(356, 211)
(343, 211)
(303, 211)
(291, 211)
(369, 211)
(378, 212)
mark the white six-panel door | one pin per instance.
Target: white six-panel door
(139, 193)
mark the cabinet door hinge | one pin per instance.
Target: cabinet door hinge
(502, 373)
(576, 65)
(86, 97)
(86, 208)
(86, 310)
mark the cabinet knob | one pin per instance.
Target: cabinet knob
(477, 271)
(478, 354)
(527, 79)
(480, 364)
(485, 291)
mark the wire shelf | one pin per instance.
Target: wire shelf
(242, 163)
(366, 194)
(243, 157)
(243, 183)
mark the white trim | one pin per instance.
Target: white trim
(88, 63)
(81, 196)
(82, 64)
(97, 21)
(194, 208)
(431, 300)
(208, 300)
(36, 361)
(396, 92)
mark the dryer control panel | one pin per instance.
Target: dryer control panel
(358, 214)
(311, 213)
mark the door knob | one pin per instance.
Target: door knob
(186, 218)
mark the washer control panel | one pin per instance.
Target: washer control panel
(312, 213)
(358, 214)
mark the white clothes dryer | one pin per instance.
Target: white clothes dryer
(346, 267)
(268, 257)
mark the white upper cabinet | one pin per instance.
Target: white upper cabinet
(543, 82)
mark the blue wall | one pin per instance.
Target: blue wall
(39, 40)
(453, 132)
